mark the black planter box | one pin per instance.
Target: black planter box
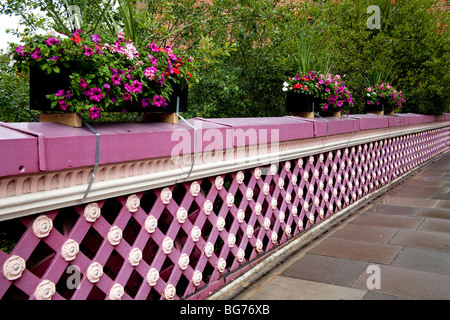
(297, 102)
(42, 83)
(382, 107)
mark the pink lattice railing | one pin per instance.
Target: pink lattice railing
(185, 240)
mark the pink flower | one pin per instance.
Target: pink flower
(126, 96)
(94, 112)
(83, 84)
(63, 105)
(116, 79)
(60, 93)
(154, 47)
(36, 54)
(51, 41)
(136, 86)
(153, 60)
(150, 72)
(96, 94)
(88, 51)
(19, 50)
(159, 101)
(121, 36)
(96, 38)
(145, 102)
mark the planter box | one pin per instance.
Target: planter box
(381, 109)
(42, 83)
(301, 105)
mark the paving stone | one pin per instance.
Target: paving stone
(286, 288)
(441, 196)
(371, 295)
(424, 259)
(443, 204)
(397, 210)
(437, 225)
(417, 191)
(357, 250)
(433, 178)
(413, 182)
(438, 213)
(402, 282)
(388, 221)
(412, 202)
(326, 269)
(366, 233)
(422, 239)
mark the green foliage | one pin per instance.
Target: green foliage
(14, 95)
(246, 49)
(410, 50)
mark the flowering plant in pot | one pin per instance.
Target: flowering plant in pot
(383, 98)
(328, 92)
(95, 73)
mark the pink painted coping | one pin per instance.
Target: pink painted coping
(333, 125)
(266, 129)
(371, 121)
(443, 117)
(18, 152)
(34, 147)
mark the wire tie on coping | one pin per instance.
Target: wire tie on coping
(195, 137)
(97, 156)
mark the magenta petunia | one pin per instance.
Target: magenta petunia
(159, 101)
(19, 50)
(52, 41)
(150, 72)
(154, 47)
(96, 94)
(116, 79)
(83, 84)
(36, 54)
(88, 51)
(94, 112)
(126, 96)
(145, 102)
(63, 105)
(96, 38)
(136, 87)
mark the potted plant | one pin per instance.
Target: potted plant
(383, 99)
(311, 92)
(91, 73)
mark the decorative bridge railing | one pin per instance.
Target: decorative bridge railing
(175, 212)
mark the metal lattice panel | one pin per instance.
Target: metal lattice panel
(177, 241)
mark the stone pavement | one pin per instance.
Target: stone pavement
(397, 247)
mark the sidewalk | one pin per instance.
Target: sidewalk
(400, 242)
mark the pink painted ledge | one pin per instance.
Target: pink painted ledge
(34, 146)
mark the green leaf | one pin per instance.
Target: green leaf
(56, 69)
